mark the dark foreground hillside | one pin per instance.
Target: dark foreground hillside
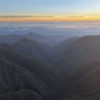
(15, 83)
(33, 70)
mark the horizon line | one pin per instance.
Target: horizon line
(49, 18)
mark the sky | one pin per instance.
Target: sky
(49, 10)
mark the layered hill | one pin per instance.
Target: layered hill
(14, 78)
(31, 69)
(50, 40)
(83, 51)
(81, 68)
(39, 77)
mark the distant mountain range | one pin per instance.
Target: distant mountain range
(51, 40)
(33, 68)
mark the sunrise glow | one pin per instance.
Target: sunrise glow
(49, 10)
(49, 18)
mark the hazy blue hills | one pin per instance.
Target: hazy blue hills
(50, 40)
(32, 69)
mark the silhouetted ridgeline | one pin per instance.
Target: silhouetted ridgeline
(33, 69)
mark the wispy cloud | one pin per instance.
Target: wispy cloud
(15, 16)
(34, 16)
(76, 16)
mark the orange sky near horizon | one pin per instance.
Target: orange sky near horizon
(60, 18)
